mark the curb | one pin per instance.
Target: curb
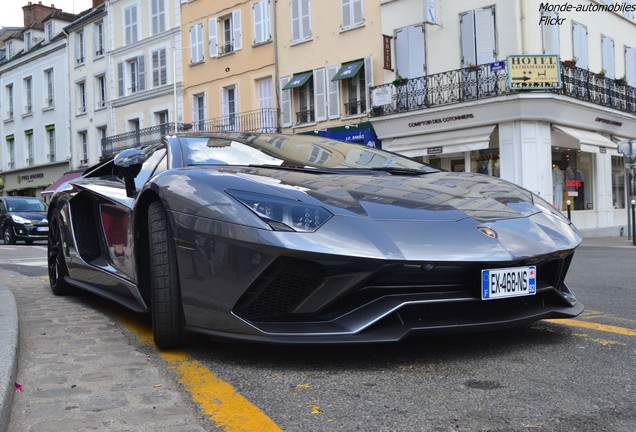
(8, 353)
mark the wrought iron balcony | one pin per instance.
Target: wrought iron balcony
(480, 82)
(264, 120)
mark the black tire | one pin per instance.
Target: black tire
(165, 298)
(56, 261)
(7, 235)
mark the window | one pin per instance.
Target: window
(262, 23)
(28, 41)
(198, 112)
(629, 12)
(132, 76)
(131, 27)
(478, 38)
(618, 182)
(83, 144)
(48, 79)
(228, 107)
(159, 68)
(579, 44)
(572, 179)
(48, 31)
(157, 16)
(11, 149)
(99, 39)
(161, 119)
(630, 66)
(101, 91)
(81, 97)
(8, 47)
(50, 137)
(9, 93)
(231, 33)
(301, 20)
(264, 88)
(608, 57)
(305, 103)
(356, 95)
(352, 13)
(550, 34)
(28, 95)
(101, 135)
(28, 135)
(410, 59)
(196, 43)
(80, 49)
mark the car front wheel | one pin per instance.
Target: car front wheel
(165, 298)
(8, 236)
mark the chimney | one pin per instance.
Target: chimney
(36, 12)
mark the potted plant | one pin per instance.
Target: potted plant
(570, 63)
(601, 73)
(399, 80)
(621, 81)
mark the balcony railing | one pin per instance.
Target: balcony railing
(355, 107)
(265, 120)
(306, 116)
(480, 82)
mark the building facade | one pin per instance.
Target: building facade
(454, 105)
(35, 100)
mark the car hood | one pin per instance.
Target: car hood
(437, 196)
(32, 216)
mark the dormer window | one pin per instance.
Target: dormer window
(48, 30)
(8, 50)
(28, 41)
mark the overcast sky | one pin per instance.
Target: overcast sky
(11, 15)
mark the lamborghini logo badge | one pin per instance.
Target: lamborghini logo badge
(488, 231)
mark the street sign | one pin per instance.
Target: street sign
(534, 72)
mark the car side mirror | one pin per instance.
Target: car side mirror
(129, 163)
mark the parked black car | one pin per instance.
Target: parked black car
(23, 218)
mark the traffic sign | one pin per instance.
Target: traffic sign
(534, 72)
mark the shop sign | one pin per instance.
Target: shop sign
(534, 72)
(381, 96)
(30, 178)
(386, 43)
(435, 150)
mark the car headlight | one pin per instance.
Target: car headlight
(20, 219)
(283, 214)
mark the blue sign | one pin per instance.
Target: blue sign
(359, 136)
(496, 66)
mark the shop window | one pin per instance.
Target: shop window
(485, 162)
(572, 179)
(618, 182)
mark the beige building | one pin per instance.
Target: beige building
(229, 65)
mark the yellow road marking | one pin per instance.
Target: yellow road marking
(594, 326)
(217, 399)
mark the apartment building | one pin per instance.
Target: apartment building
(229, 65)
(89, 85)
(330, 54)
(448, 98)
(34, 123)
(144, 63)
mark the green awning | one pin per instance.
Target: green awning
(298, 80)
(348, 70)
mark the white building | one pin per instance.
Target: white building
(458, 109)
(145, 65)
(89, 84)
(35, 100)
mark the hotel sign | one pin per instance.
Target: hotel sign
(534, 72)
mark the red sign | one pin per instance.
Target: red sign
(387, 52)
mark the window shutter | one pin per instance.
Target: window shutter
(141, 65)
(485, 35)
(609, 61)
(368, 78)
(236, 30)
(306, 19)
(346, 13)
(630, 65)
(195, 113)
(213, 40)
(163, 67)
(295, 20)
(333, 93)
(579, 44)
(120, 78)
(358, 15)
(267, 28)
(134, 24)
(258, 22)
(285, 103)
(320, 95)
(192, 45)
(550, 35)
(467, 29)
(155, 68)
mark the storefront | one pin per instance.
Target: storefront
(559, 151)
(32, 181)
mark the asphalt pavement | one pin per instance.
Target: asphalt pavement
(85, 389)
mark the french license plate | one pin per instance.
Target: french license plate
(509, 282)
(42, 229)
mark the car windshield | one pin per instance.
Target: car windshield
(25, 205)
(298, 151)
